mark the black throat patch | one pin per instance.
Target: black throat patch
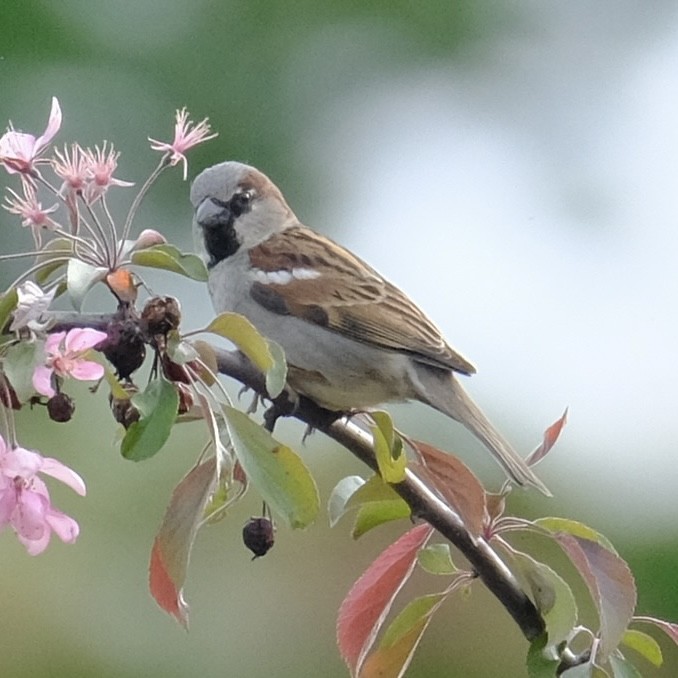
(219, 234)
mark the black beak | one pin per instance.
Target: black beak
(213, 213)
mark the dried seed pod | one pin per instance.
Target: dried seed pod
(160, 316)
(123, 409)
(60, 407)
(124, 347)
(258, 535)
(186, 399)
(8, 396)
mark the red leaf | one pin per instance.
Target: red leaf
(670, 629)
(456, 483)
(172, 546)
(364, 609)
(550, 436)
(611, 585)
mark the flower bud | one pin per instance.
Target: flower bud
(60, 407)
(258, 535)
(149, 238)
(124, 412)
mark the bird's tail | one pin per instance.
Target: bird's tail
(443, 391)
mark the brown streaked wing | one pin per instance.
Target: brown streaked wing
(349, 297)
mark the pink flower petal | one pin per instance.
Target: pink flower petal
(36, 546)
(8, 499)
(87, 370)
(16, 151)
(53, 342)
(42, 380)
(53, 126)
(21, 462)
(29, 517)
(80, 339)
(65, 527)
(54, 468)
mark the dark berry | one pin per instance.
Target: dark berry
(60, 407)
(259, 536)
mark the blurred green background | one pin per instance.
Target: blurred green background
(511, 165)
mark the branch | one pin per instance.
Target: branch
(422, 501)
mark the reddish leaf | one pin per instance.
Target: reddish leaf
(611, 585)
(671, 630)
(173, 543)
(456, 483)
(550, 436)
(365, 607)
(392, 661)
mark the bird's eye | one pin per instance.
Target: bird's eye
(241, 202)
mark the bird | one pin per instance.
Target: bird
(351, 338)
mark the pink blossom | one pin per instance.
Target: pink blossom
(24, 498)
(29, 208)
(186, 135)
(71, 166)
(19, 151)
(31, 211)
(65, 358)
(101, 164)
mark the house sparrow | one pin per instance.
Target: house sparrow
(352, 339)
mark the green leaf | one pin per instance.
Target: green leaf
(276, 376)
(644, 645)
(241, 332)
(416, 610)
(393, 661)
(374, 490)
(436, 559)
(552, 596)
(157, 406)
(8, 302)
(170, 258)
(80, 278)
(342, 492)
(278, 473)
(19, 364)
(623, 668)
(377, 503)
(576, 529)
(221, 499)
(388, 448)
(180, 350)
(377, 513)
(539, 664)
